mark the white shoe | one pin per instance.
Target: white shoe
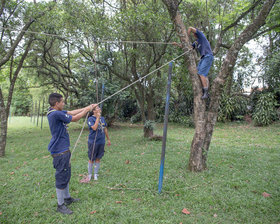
(95, 177)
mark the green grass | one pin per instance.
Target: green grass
(243, 162)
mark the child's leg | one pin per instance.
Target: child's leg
(90, 166)
(96, 166)
(60, 196)
(66, 192)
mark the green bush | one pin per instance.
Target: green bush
(22, 102)
(149, 124)
(265, 111)
(135, 118)
(180, 119)
(232, 108)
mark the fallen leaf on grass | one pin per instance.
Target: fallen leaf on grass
(46, 156)
(266, 195)
(36, 159)
(80, 175)
(92, 212)
(118, 202)
(185, 211)
(17, 167)
(215, 215)
(127, 161)
(26, 175)
(0, 213)
(12, 173)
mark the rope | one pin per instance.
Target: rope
(118, 93)
(98, 41)
(138, 80)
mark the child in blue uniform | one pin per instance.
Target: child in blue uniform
(59, 147)
(96, 143)
(206, 60)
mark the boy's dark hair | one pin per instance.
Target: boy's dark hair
(53, 98)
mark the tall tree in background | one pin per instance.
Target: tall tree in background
(205, 116)
(14, 49)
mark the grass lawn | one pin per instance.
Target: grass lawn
(243, 163)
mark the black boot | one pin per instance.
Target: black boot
(63, 209)
(70, 200)
(205, 93)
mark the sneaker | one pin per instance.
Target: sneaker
(63, 209)
(205, 95)
(95, 177)
(70, 200)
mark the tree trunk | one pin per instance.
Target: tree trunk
(3, 135)
(3, 125)
(205, 120)
(149, 131)
(4, 110)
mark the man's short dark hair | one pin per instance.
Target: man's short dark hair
(53, 98)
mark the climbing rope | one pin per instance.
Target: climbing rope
(98, 41)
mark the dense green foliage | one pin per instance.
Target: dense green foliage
(265, 110)
(232, 108)
(82, 51)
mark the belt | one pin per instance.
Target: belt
(61, 153)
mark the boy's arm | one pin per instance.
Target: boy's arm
(80, 115)
(77, 111)
(191, 30)
(74, 112)
(107, 136)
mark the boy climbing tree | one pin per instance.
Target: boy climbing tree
(206, 60)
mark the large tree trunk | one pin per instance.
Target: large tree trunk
(3, 125)
(4, 110)
(205, 120)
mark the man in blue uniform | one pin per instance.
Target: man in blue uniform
(206, 60)
(59, 147)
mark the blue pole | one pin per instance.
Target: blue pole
(102, 95)
(165, 128)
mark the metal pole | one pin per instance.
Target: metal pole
(42, 113)
(165, 128)
(38, 113)
(102, 95)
